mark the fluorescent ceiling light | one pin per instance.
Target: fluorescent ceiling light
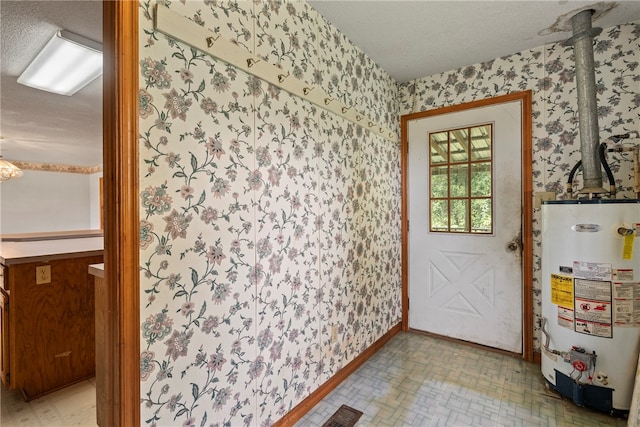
(65, 65)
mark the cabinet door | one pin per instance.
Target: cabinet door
(54, 324)
(4, 337)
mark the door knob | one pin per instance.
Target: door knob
(515, 244)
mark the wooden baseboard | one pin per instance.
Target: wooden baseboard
(303, 407)
(537, 357)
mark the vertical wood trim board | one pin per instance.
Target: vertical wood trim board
(121, 255)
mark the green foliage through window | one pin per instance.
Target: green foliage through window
(460, 180)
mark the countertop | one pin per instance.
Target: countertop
(51, 235)
(97, 270)
(45, 250)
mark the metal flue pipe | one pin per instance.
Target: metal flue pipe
(582, 41)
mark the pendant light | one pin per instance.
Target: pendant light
(8, 170)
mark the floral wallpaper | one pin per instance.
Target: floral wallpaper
(549, 72)
(270, 228)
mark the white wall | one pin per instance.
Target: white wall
(46, 201)
(94, 200)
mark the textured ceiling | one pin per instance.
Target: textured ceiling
(38, 126)
(408, 39)
(413, 39)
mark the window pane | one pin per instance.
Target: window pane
(481, 216)
(481, 143)
(439, 215)
(459, 145)
(481, 179)
(439, 182)
(459, 180)
(439, 147)
(459, 220)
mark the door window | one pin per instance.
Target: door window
(461, 181)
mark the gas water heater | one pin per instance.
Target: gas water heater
(591, 301)
(590, 271)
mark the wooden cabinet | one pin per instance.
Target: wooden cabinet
(4, 330)
(103, 366)
(48, 332)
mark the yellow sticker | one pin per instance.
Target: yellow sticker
(627, 250)
(562, 290)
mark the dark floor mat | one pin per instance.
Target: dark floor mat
(345, 416)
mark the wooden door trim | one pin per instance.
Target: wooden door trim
(121, 254)
(525, 99)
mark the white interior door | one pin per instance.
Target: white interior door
(468, 286)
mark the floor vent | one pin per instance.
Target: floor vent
(345, 416)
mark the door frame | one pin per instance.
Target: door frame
(121, 218)
(525, 99)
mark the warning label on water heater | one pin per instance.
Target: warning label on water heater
(594, 311)
(594, 328)
(565, 318)
(562, 290)
(622, 274)
(592, 307)
(592, 270)
(626, 297)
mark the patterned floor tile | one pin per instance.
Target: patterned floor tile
(417, 380)
(71, 406)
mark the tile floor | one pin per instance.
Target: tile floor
(417, 380)
(414, 380)
(72, 406)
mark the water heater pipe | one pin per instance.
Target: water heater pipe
(603, 160)
(636, 165)
(582, 41)
(636, 158)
